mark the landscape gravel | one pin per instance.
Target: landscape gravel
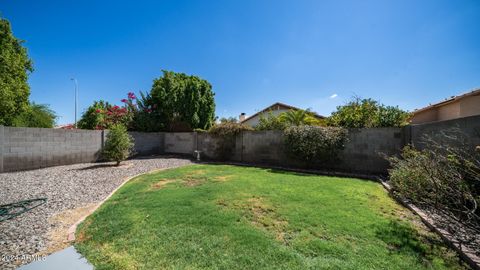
(65, 187)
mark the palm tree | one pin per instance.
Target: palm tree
(298, 118)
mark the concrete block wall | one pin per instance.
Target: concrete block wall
(29, 148)
(469, 126)
(367, 149)
(262, 147)
(151, 143)
(180, 142)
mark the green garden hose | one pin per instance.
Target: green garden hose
(11, 210)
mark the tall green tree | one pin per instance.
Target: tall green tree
(178, 99)
(15, 66)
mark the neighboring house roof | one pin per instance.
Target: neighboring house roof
(474, 92)
(66, 126)
(278, 106)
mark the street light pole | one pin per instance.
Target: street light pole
(76, 94)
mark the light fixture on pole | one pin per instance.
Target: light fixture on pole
(76, 93)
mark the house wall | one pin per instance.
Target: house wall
(464, 107)
(470, 106)
(448, 111)
(425, 116)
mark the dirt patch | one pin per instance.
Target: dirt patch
(160, 184)
(261, 214)
(193, 182)
(81, 237)
(60, 223)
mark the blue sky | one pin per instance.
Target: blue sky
(310, 54)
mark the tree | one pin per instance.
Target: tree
(178, 99)
(269, 121)
(228, 120)
(367, 113)
(36, 115)
(91, 118)
(299, 118)
(119, 144)
(15, 66)
(146, 117)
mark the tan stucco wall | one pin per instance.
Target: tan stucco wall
(254, 120)
(467, 106)
(425, 116)
(449, 111)
(470, 106)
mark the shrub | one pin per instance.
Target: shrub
(269, 121)
(443, 178)
(313, 143)
(91, 119)
(361, 113)
(119, 144)
(225, 134)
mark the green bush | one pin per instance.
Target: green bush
(443, 178)
(119, 144)
(367, 113)
(314, 143)
(228, 129)
(226, 133)
(269, 121)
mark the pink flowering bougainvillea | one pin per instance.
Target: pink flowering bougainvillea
(116, 114)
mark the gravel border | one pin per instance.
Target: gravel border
(65, 187)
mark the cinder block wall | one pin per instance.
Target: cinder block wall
(148, 143)
(469, 126)
(29, 148)
(180, 142)
(32, 148)
(365, 151)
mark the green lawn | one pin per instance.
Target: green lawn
(228, 217)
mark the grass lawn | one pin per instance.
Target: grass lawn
(228, 217)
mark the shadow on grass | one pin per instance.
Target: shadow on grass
(404, 239)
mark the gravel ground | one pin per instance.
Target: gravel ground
(65, 187)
